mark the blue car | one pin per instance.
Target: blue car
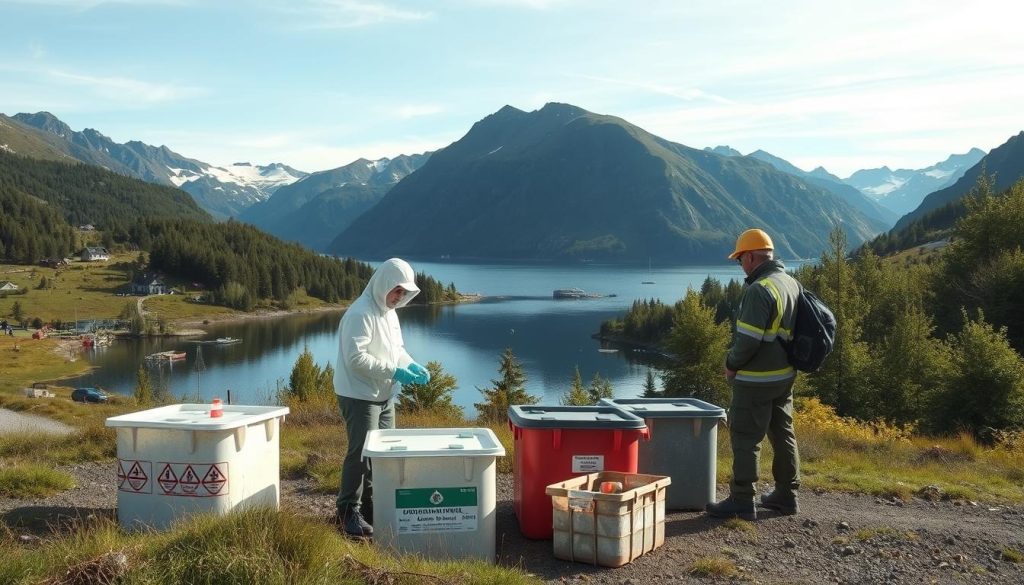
(88, 395)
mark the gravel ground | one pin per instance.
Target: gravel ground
(837, 538)
(16, 422)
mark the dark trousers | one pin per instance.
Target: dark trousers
(760, 410)
(360, 416)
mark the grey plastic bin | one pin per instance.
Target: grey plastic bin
(683, 446)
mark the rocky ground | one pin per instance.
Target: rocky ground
(837, 538)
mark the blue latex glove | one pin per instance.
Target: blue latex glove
(422, 373)
(403, 376)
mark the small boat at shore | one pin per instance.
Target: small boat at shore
(170, 356)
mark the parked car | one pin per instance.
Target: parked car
(88, 395)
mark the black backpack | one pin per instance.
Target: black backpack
(814, 333)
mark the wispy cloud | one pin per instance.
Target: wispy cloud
(124, 89)
(685, 94)
(409, 111)
(341, 14)
(89, 4)
(530, 4)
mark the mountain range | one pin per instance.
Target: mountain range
(562, 183)
(903, 190)
(1005, 162)
(315, 209)
(822, 178)
(223, 192)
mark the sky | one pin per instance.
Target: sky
(316, 84)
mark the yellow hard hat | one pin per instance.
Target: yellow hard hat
(750, 240)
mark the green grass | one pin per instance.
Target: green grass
(1012, 555)
(253, 546)
(33, 481)
(714, 567)
(87, 290)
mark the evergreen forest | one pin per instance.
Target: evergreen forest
(933, 344)
(241, 266)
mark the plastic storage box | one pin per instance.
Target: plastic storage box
(434, 491)
(175, 461)
(554, 443)
(683, 446)
(609, 529)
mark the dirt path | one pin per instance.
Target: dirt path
(17, 422)
(837, 538)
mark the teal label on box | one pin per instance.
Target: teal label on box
(423, 510)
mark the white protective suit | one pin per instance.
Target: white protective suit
(371, 345)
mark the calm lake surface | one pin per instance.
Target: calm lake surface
(550, 337)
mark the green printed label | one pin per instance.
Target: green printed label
(423, 510)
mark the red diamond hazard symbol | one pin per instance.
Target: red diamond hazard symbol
(168, 480)
(189, 481)
(214, 480)
(120, 475)
(137, 477)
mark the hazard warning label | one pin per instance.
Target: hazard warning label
(193, 480)
(133, 476)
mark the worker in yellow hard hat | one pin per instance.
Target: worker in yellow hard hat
(761, 379)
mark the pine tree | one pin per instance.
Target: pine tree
(509, 390)
(305, 376)
(577, 394)
(698, 345)
(651, 387)
(17, 312)
(599, 388)
(143, 387)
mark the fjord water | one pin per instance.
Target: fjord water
(549, 336)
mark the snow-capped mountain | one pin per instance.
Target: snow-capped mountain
(222, 191)
(314, 210)
(903, 190)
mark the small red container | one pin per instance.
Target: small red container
(557, 443)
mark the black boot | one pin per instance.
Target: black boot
(353, 523)
(784, 503)
(733, 507)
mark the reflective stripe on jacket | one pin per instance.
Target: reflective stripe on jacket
(765, 316)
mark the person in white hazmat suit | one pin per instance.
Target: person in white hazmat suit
(372, 364)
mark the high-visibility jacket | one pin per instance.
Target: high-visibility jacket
(765, 316)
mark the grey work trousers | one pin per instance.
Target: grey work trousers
(360, 416)
(757, 410)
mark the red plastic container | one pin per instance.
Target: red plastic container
(557, 443)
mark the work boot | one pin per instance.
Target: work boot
(733, 507)
(353, 524)
(783, 502)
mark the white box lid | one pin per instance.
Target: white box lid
(432, 443)
(196, 417)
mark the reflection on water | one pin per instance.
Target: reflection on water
(550, 337)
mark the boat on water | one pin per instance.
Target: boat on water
(573, 293)
(227, 340)
(607, 350)
(170, 356)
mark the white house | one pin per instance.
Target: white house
(95, 253)
(8, 286)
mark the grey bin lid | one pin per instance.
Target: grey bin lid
(573, 417)
(667, 407)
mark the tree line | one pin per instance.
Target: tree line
(936, 346)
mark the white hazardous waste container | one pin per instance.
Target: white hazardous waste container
(178, 460)
(435, 491)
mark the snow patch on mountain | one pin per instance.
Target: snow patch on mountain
(893, 183)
